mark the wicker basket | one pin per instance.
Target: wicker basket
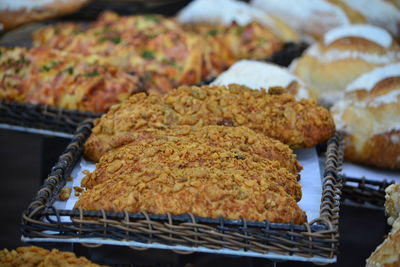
(364, 192)
(316, 241)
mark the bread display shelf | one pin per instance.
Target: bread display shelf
(53, 121)
(364, 192)
(41, 119)
(316, 241)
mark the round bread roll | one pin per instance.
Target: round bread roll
(226, 12)
(369, 115)
(344, 54)
(311, 18)
(18, 12)
(256, 75)
(381, 13)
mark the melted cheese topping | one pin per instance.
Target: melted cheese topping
(223, 12)
(257, 75)
(368, 80)
(371, 33)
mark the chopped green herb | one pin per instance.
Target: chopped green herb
(49, 65)
(147, 54)
(115, 40)
(213, 32)
(239, 30)
(70, 70)
(152, 18)
(93, 73)
(170, 61)
(17, 70)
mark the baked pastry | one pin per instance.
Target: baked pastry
(33, 256)
(311, 19)
(344, 54)
(257, 75)
(298, 124)
(368, 114)
(181, 153)
(160, 50)
(53, 77)
(18, 12)
(392, 203)
(381, 13)
(228, 12)
(207, 192)
(387, 254)
(238, 138)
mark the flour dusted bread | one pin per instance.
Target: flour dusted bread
(227, 12)
(17, 12)
(256, 75)
(382, 13)
(311, 18)
(368, 113)
(344, 54)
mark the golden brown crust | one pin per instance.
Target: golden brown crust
(298, 124)
(14, 17)
(181, 153)
(36, 256)
(207, 192)
(379, 150)
(239, 138)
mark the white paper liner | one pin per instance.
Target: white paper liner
(374, 174)
(310, 181)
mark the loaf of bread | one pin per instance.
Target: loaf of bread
(18, 12)
(381, 13)
(392, 203)
(227, 12)
(256, 75)
(311, 18)
(369, 115)
(344, 54)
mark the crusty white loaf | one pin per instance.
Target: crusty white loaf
(14, 13)
(381, 13)
(256, 75)
(226, 12)
(311, 18)
(369, 115)
(344, 54)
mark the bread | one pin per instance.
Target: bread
(227, 12)
(380, 13)
(257, 75)
(297, 124)
(387, 254)
(35, 256)
(18, 12)
(344, 54)
(368, 114)
(392, 203)
(310, 18)
(55, 78)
